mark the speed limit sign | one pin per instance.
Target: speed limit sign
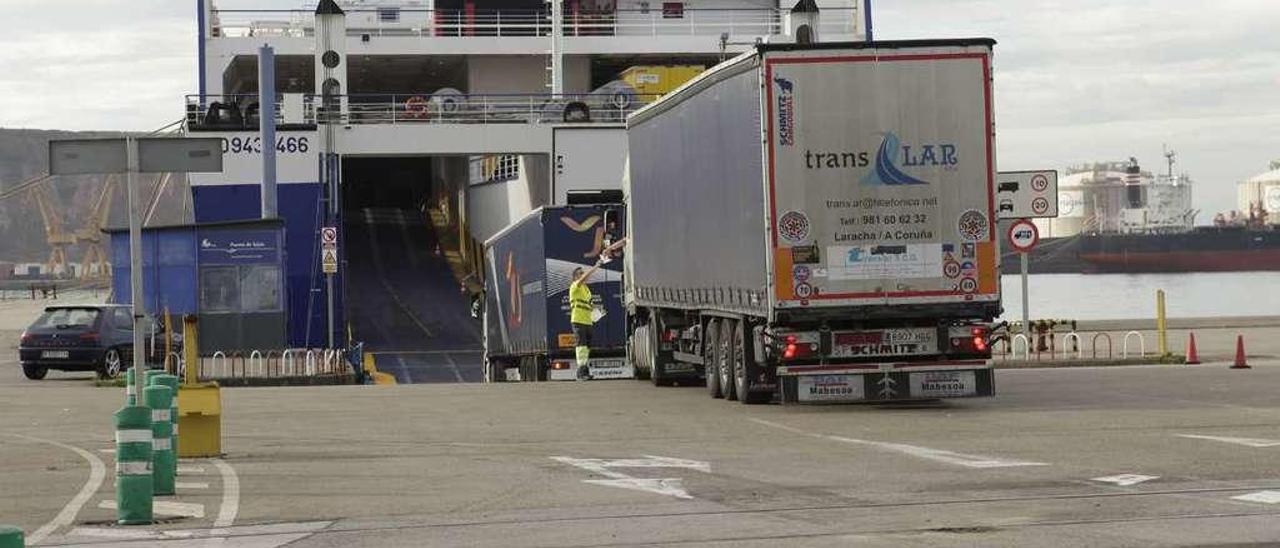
(1023, 235)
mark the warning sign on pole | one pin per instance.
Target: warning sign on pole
(329, 260)
(329, 235)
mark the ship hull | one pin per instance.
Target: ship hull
(1199, 251)
(1204, 250)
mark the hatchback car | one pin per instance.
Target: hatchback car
(95, 338)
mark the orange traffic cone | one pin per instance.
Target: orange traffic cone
(1240, 358)
(1193, 357)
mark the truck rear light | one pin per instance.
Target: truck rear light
(795, 348)
(560, 366)
(790, 352)
(980, 344)
(669, 335)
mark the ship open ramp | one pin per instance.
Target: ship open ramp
(405, 300)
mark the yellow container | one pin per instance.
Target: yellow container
(199, 420)
(659, 79)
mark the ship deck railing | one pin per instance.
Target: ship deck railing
(240, 111)
(420, 22)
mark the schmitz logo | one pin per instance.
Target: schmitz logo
(786, 112)
(893, 154)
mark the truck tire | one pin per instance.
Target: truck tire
(710, 357)
(727, 355)
(744, 368)
(657, 369)
(636, 353)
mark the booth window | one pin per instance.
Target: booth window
(240, 289)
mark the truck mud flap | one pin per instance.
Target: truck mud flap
(876, 386)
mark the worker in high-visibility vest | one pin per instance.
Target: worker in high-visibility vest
(581, 310)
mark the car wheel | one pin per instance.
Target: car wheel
(34, 372)
(112, 364)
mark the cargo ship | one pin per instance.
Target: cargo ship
(1116, 218)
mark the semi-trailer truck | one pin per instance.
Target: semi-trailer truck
(815, 223)
(526, 315)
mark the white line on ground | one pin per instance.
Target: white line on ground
(1125, 480)
(97, 473)
(230, 495)
(166, 508)
(1266, 497)
(937, 455)
(191, 485)
(107, 451)
(190, 469)
(1248, 442)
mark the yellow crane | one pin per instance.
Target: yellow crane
(58, 238)
(94, 261)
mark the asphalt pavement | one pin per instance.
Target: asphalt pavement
(1118, 456)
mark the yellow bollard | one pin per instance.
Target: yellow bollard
(1162, 328)
(168, 343)
(199, 404)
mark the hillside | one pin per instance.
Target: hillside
(24, 155)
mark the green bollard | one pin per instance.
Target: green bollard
(10, 537)
(172, 382)
(133, 466)
(159, 399)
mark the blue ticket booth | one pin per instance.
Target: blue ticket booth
(230, 274)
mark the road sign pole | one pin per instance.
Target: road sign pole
(1026, 315)
(135, 267)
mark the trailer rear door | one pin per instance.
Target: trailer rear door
(880, 176)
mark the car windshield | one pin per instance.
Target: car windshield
(65, 318)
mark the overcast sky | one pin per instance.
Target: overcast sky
(1076, 80)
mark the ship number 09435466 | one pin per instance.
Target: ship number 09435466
(253, 145)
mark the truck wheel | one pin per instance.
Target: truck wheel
(727, 355)
(657, 372)
(637, 353)
(744, 368)
(711, 357)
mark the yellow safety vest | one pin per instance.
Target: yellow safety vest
(580, 303)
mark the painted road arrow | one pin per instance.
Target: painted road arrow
(672, 487)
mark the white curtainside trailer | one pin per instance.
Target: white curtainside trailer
(816, 223)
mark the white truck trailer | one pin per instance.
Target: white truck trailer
(815, 223)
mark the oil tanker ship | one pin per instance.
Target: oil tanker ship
(1116, 218)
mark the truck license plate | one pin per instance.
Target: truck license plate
(610, 369)
(887, 342)
(943, 384)
(55, 354)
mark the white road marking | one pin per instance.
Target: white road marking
(190, 469)
(673, 487)
(265, 536)
(107, 451)
(1125, 480)
(192, 485)
(230, 495)
(664, 486)
(97, 473)
(937, 455)
(1248, 442)
(1265, 497)
(166, 508)
(127, 534)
